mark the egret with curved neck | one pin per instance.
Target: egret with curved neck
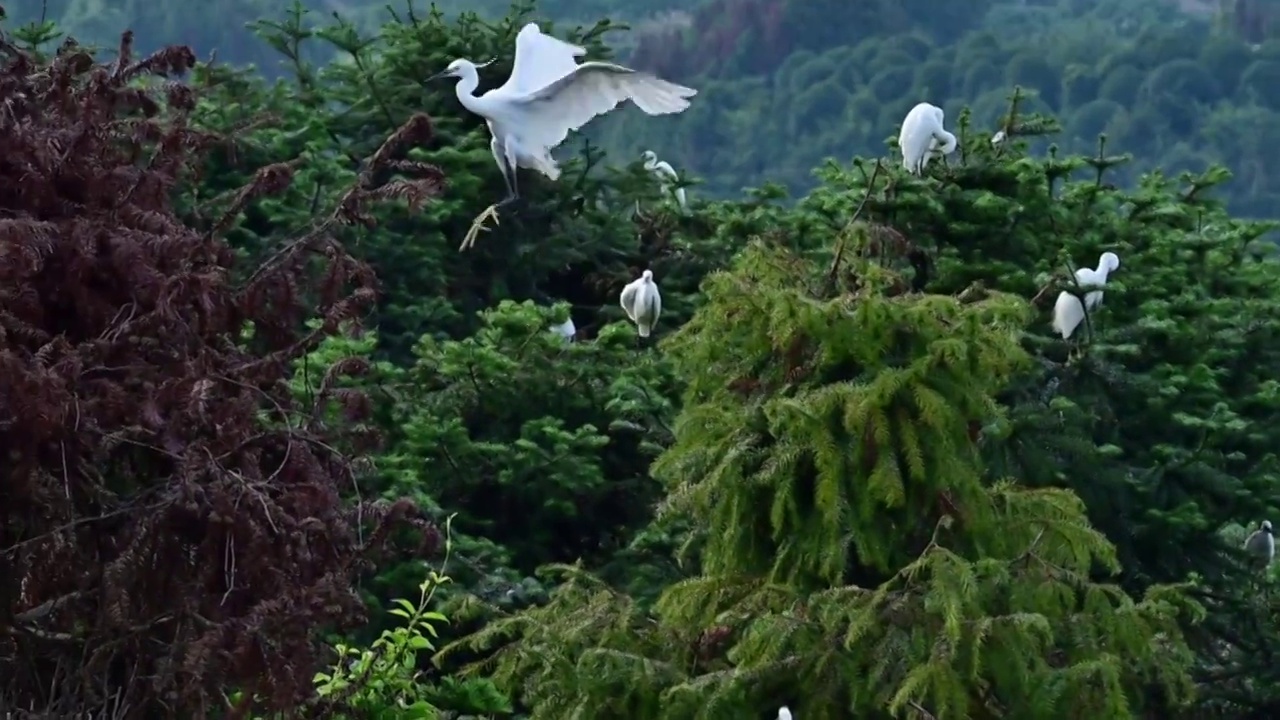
(548, 95)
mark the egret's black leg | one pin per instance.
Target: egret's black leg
(509, 177)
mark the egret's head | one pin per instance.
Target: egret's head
(647, 275)
(454, 70)
(649, 156)
(458, 68)
(1266, 525)
(1109, 260)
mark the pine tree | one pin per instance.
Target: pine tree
(853, 561)
(1158, 412)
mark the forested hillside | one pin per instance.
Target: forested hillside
(1180, 84)
(221, 26)
(276, 447)
(1179, 89)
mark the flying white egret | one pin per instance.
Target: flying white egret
(548, 95)
(1261, 544)
(642, 302)
(784, 713)
(921, 133)
(565, 330)
(666, 175)
(1068, 312)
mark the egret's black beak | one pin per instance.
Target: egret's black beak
(437, 76)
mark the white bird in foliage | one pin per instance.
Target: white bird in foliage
(642, 302)
(784, 713)
(1261, 544)
(667, 176)
(1068, 312)
(920, 136)
(565, 329)
(548, 95)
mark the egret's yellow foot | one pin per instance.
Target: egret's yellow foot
(478, 226)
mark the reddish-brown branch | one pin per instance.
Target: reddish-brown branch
(160, 541)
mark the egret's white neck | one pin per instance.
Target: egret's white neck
(468, 81)
(948, 142)
(651, 164)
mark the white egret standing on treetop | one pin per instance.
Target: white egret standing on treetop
(642, 302)
(548, 95)
(921, 133)
(1261, 544)
(666, 175)
(1068, 312)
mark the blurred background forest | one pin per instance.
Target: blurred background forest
(1178, 83)
(660, 531)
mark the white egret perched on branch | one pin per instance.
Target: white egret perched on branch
(920, 136)
(666, 175)
(1068, 311)
(548, 95)
(642, 302)
(1261, 544)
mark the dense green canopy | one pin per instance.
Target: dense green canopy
(857, 473)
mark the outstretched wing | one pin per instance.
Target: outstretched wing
(540, 60)
(592, 89)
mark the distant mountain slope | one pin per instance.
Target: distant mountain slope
(221, 25)
(784, 85)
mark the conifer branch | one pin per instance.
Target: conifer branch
(835, 263)
(925, 714)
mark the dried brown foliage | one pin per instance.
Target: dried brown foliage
(172, 525)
